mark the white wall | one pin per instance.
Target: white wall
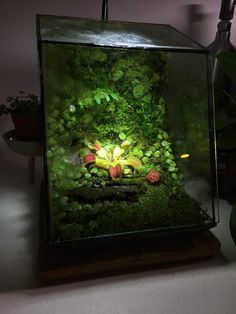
(18, 52)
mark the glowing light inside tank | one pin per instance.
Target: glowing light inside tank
(184, 156)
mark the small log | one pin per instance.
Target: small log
(115, 192)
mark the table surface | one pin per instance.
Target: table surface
(26, 148)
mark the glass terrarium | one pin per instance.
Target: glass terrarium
(128, 131)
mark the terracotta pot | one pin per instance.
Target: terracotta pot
(28, 128)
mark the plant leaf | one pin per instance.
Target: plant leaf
(133, 162)
(122, 136)
(102, 153)
(164, 143)
(97, 99)
(88, 158)
(125, 144)
(114, 96)
(117, 152)
(107, 97)
(102, 163)
(115, 171)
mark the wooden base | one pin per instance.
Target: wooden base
(66, 264)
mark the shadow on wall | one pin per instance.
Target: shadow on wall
(196, 22)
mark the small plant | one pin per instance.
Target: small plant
(22, 104)
(113, 158)
(25, 114)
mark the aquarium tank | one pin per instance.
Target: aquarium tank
(128, 131)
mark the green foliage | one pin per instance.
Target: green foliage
(122, 136)
(22, 104)
(112, 98)
(158, 207)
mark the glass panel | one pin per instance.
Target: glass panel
(113, 33)
(189, 117)
(113, 145)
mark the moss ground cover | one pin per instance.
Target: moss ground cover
(111, 164)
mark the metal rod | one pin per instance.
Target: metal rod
(105, 10)
(227, 9)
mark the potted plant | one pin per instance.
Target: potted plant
(25, 113)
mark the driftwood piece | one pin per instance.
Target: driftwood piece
(115, 192)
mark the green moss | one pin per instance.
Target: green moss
(108, 96)
(157, 208)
